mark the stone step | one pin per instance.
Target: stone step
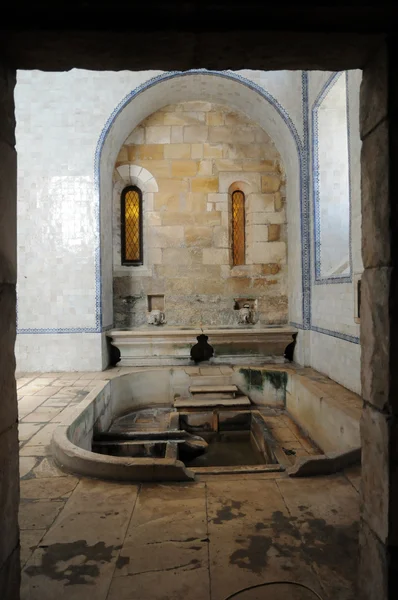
(210, 380)
(208, 389)
(208, 403)
(214, 396)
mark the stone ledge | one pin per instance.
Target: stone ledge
(324, 464)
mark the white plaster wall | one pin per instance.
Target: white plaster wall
(338, 359)
(334, 185)
(333, 304)
(60, 352)
(60, 117)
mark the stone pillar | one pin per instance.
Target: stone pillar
(9, 475)
(378, 562)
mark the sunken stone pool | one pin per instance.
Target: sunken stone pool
(173, 424)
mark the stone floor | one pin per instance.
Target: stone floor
(85, 538)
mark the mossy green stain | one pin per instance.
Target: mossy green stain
(255, 378)
(278, 379)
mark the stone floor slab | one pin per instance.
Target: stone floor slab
(326, 511)
(26, 464)
(51, 488)
(185, 583)
(27, 430)
(29, 540)
(44, 435)
(42, 414)
(29, 450)
(78, 554)
(47, 468)
(40, 514)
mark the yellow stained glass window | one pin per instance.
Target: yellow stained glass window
(131, 226)
(238, 228)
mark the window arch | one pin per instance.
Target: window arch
(131, 222)
(238, 228)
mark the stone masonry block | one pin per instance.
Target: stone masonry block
(375, 437)
(260, 203)
(372, 568)
(182, 256)
(149, 151)
(374, 92)
(259, 165)
(251, 180)
(173, 186)
(167, 236)
(8, 214)
(268, 252)
(136, 137)
(204, 184)
(279, 201)
(242, 135)
(176, 218)
(196, 202)
(177, 151)
(226, 164)
(123, 156)
(265, 218)
(10, 576)
(215, 119)
(8, 396)
(198, 236)
(195, 133)
(7, 112)
(208, 219)
(177, 134)
(185, 118)
(270, 184)
(274, 233)
(184, 168)
(158, 168)
(376, 232)
(154, 119)
(221, 237)
(212, 150)
(205, 168)
(9, 492)
(158, 135)
(168, 201)
(215, 256)
(257, 233)
(197, 151)
(375, 336)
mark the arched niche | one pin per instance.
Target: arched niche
(217, 87)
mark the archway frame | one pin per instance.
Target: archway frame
(142, 102)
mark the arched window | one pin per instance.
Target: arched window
(131, 226)
(238, 228)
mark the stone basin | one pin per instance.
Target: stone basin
(168, 346)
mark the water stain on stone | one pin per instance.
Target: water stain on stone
(254, 556)
(122, 561)
(305, 540)
(281, 524)
(72, 562)
(228, 512)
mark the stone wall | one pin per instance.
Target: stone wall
(65, 298)
(9, 483)
(198, 153)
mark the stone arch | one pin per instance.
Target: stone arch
(219, 87)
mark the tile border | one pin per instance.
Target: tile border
(327, 87)
(304, 155)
